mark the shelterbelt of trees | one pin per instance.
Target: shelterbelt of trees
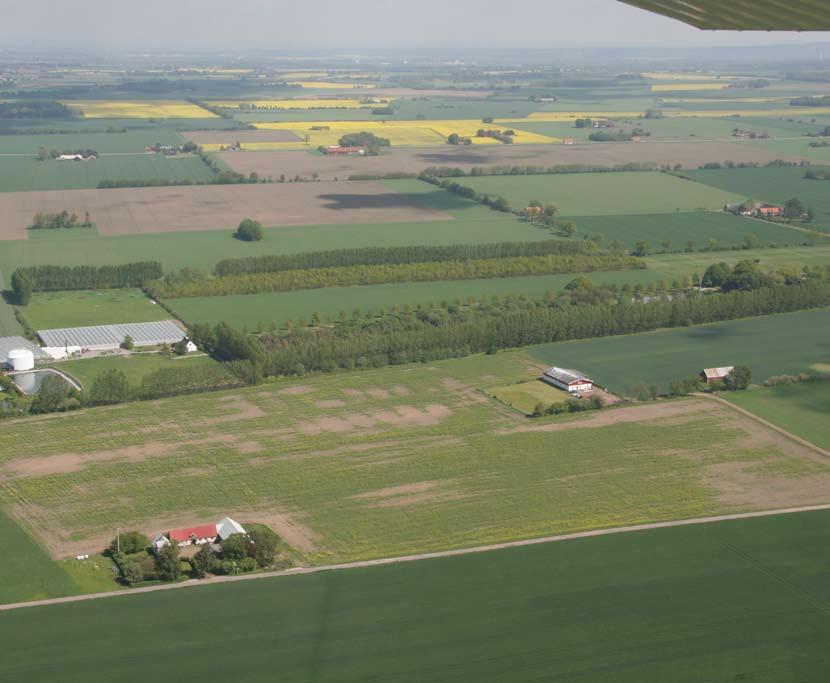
(57, 278)
(427, 335)
(312, 278)
(369, 256)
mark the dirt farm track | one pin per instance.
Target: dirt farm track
(217, 207)
(416, 159)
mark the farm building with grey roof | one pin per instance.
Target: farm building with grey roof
(103, 337)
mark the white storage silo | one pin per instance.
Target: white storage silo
(21, 359)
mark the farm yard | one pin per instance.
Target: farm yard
(24, 174)
(594, 194)
(418, 454)
(706, 585)
(220, 207)
(787, 343)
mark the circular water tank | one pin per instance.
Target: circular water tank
(21, 359)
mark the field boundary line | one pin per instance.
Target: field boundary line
(766, 423)
(362, 564)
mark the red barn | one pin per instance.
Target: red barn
(193, 535)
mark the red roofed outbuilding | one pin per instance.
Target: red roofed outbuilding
(193, 535)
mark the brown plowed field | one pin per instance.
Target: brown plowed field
(217, 207)
(415, 160)
(228, 137)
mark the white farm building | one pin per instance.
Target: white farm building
(572, 381)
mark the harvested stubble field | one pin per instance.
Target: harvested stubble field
(735, 600)
(388, 462)
(787, 343)
(414, 160)
(219, 207)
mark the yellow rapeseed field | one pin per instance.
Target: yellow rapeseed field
(678, 87)
(330, 85)
(676, 76)
(399, 133)
(331, 103)
(139, 109)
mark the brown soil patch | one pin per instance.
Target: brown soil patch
(230, 137)
(299, 390)
(65, 463)
(330, 403)
(742, 484)
(399, 390)
(378, 393)
(243, 410)
(680, 411)
(218, 207)
(400, 416)
(411, 494)
(415, 159)
(290, 529)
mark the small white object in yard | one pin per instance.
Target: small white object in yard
(152, 302)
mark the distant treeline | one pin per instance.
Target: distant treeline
(36, 109)
(370, 256)
(347, 276)
(458, 172)
(811, 101)
(57, 278)
(423, 336)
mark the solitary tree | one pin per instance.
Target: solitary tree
(249, 230)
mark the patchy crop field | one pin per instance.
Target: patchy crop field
(136, 365)
(49, 310)
(802, 409)
(276, 308)
(139, 109)
(220, 207)
(711, 597)
(304, 162)
(593, 194)
(388, 462)
(787, 343)
(24, 174)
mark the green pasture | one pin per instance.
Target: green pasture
(72, 126)
(801, 147)
(375, 463)
(9, 327)
(786, 343)
(49, 310)
(592, 194)
(202, 250)
(524, 396)
(277, 307)
(27, 572)
(678, 229)
(18, 174)
(135, 365)
(772, 185)
(721, 602)
(133, 140)
(803, 409)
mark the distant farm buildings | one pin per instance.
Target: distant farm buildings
(110, 337)
(755, 209)
(572, 381)
(75, 157)
(716, 374)
(198, 535)
(337, 150)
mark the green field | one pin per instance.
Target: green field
(202, 250)
(801, 147)
(593, 194)
(135, 365)
(787, 343)
(382, 462)
(772, 185)
(737, 600)
(9, 327)
(103, 143)
(524, 396)
(726, 229)
(328, 302)
(802, 409)
(27, 572)
(19, 174)
(50, 310)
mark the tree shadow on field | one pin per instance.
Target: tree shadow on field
(389, 200)
(492, 155)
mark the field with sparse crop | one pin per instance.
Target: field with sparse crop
(136, 366)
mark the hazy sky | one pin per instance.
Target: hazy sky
(279, 24)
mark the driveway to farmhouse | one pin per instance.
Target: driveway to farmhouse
(413, 558)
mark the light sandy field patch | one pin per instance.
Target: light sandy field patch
(328, 103)
(218, 207)
(414, 160)
(676, 87)
(333, 85)
(677, 76)
(139, 109)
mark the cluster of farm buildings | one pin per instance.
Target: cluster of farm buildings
(198, 535)
(577, 383)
